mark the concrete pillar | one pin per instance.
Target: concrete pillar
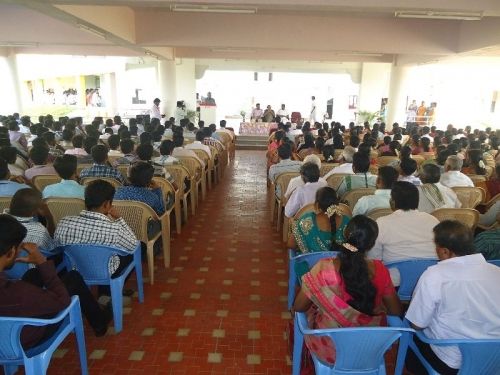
(186, 82)
(80, 88)
(167, 86)
(374, 85)
(15, 82)
(108, 92)
(396, 108)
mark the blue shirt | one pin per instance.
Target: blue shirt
(153, 198)
(65, 189)
(102, 170)
(9, 188)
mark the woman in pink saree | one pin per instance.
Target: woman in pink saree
(347, 291)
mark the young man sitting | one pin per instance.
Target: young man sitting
(7, 187)
(65, 167)
(101, 167)
(39, 156)
(41, 293)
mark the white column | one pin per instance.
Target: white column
(186, 82)
(167, 86)
(15, 81)
(396, 107)
(108, 92)
(374, 85)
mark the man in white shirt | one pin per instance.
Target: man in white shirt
(455, 299)
(155, 109)
(346, 163)
(306, 194)
(452, 176)
(434, 195)
(407, 168)
(387, 176)
(198, 145)
(298, 182)
(257, 113)
(222, 128)
(313, 109)
(179, 150)
(406, 233)
(283, 114)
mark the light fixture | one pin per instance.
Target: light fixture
(19, 44)
(359, 53)
(91, 31)
(232, 50)
(211, 9)
(439, 15)
(151, 54)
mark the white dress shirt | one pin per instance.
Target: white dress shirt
(197, 145)
(181, 151)
(283, 114)
(449, 196)
(455, 299)
(455, 178)
(297, 182)
(404, 235)
(368, 203)
(342, 168)
(155, 112)
(411, 179)
(303, 196)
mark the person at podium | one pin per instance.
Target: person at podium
(209, 100)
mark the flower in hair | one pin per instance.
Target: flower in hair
(350, 247)
(331, 210)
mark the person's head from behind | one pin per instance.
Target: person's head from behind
(99, 154)
(50, 138)
(326, 200)
(348, 154)
(39, 155)
(25, 203)
(114, 141)
(178, 140)
(4, 169)
(453, 163)
(144, 152)
(453, 239)
(146, 138)
(11, 240)
(65, 166)
(141, 174)
(394, 146)
(13, 126)
(387, 140)
(127, 146)
(404, 196)
(284, 151)
(99, 196)
(360, 236)
(308, 140)
(443, 156)
(354, 141)
(360, 163)
(9, 154)
(67, 135)
(313, 158)
(405, 152)
(408, 167)
(89, 143)
(309, 172)
(430, 174)
(199, 136)
(387, 176)
(166, 147)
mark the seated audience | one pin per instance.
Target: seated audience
(77, 149)
(16, 137)
(474, 163)
(65, 166)
(433, 194)
(272, 148)
(198, 144)
(9, 154)
(297, 182)
(387, 176)
(321, 228)
(101, 167)
(493, 184)
(347, 290)
(145, 153)
(407, 169)
(452, 176)
(54, 149)
(41, 293)
(361, 178)
(406, 233)
(114, 144)
(127, 147)
(345, 162)
(39, 156)
(286, 164)
(455, 299)
(142, 187)
(166, 158)
(209, 140)
(306, 194)
(487, 243)
(180, 150)
(8, 185)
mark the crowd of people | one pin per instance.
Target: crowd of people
(61, 148)
(411, 173)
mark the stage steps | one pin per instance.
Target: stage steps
(251, 142)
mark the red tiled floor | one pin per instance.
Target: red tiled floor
(224, 270)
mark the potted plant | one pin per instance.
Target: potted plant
(242, 114)
(367, 116)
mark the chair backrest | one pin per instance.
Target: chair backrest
(327, 167)
(62, 207)
(42, 180)
(283, 180)
(480, 357)
(193, 165)
(410, 271)
(179, 174)
(91, 261)
(81, 167)
(352, 196)
(225, 137)
(312, 258)
(4, 203)
(379, 212)
(496, 262)
(359, 350)
(87, 180)
(335, 179)
(468, 216)
(477, 179)
(470, 197)
(419, 159)
(123, 169)
(345, 209)
(166, 187)
(136, 215)
(382, 161)
(427, 155)
(203, 155)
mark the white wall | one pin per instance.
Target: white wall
(375, 78)
(8, 102)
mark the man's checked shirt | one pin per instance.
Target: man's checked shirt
(102, 170)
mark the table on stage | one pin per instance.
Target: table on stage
(257, 128)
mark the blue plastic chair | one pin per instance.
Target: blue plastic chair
(410, 271)
(359, 350)
(479, 356)
(19, 269)
(37, 359)
(92, 263)
(496, 262)
(311, 259)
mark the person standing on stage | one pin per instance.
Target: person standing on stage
(154, 112)
(313, 109)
